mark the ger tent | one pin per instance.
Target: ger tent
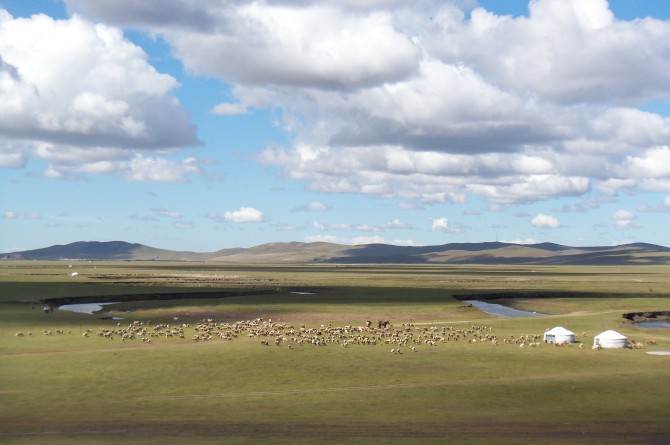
(559, 335)
(610, 339)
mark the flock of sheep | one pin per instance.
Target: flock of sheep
(397, 338)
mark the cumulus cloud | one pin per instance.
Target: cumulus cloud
(443, 225)
(244, 215)
(11, 160)
(543, 221)
(66, 162)
(79, 87)
(623, 219)
(425, 102)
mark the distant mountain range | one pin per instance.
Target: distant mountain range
(319, 252)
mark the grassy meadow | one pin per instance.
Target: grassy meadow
(65, 388)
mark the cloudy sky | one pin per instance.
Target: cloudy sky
(200, 125)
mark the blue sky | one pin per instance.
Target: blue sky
(206, 125)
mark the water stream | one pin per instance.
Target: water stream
(653, 324)
(500, 310)
(83, 308)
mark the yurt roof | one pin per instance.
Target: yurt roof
(611, 335)
(559, 330)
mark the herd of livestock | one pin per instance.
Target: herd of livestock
(268, 333)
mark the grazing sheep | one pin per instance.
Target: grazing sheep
(19, 334)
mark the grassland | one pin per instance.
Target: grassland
(65, 388)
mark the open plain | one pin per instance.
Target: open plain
(211, 352)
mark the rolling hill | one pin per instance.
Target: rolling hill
(321, 252)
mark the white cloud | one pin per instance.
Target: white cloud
(443, 225)
(396, 224)
(521, 241)
(361, 240)
(368, 240)
(230, 109)
(166, 213)
(311, 45)
(72, 163)
(409, 206)
(312, 206)
(419, 101)
(623, 215)
(545, 221)
(12, 160)
(623, 219)
(21, 215)
(75, 86)
(597, 57)
(324, 239)
(244, 215)
(361, 227)
(145, 169)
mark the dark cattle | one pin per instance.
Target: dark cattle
(383, 324)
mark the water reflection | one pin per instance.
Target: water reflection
(83, 308)
(653, 324)
(500, 310)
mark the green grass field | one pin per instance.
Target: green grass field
(65, 388)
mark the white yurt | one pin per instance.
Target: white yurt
(559, 335)
(610, 339)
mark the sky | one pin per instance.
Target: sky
(199, 126)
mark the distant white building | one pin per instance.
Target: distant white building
(559, 335)
(610, 339)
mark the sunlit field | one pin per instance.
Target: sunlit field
(282, 354)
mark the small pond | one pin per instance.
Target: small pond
(653, 324)
(83, 308)
(499, 309)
